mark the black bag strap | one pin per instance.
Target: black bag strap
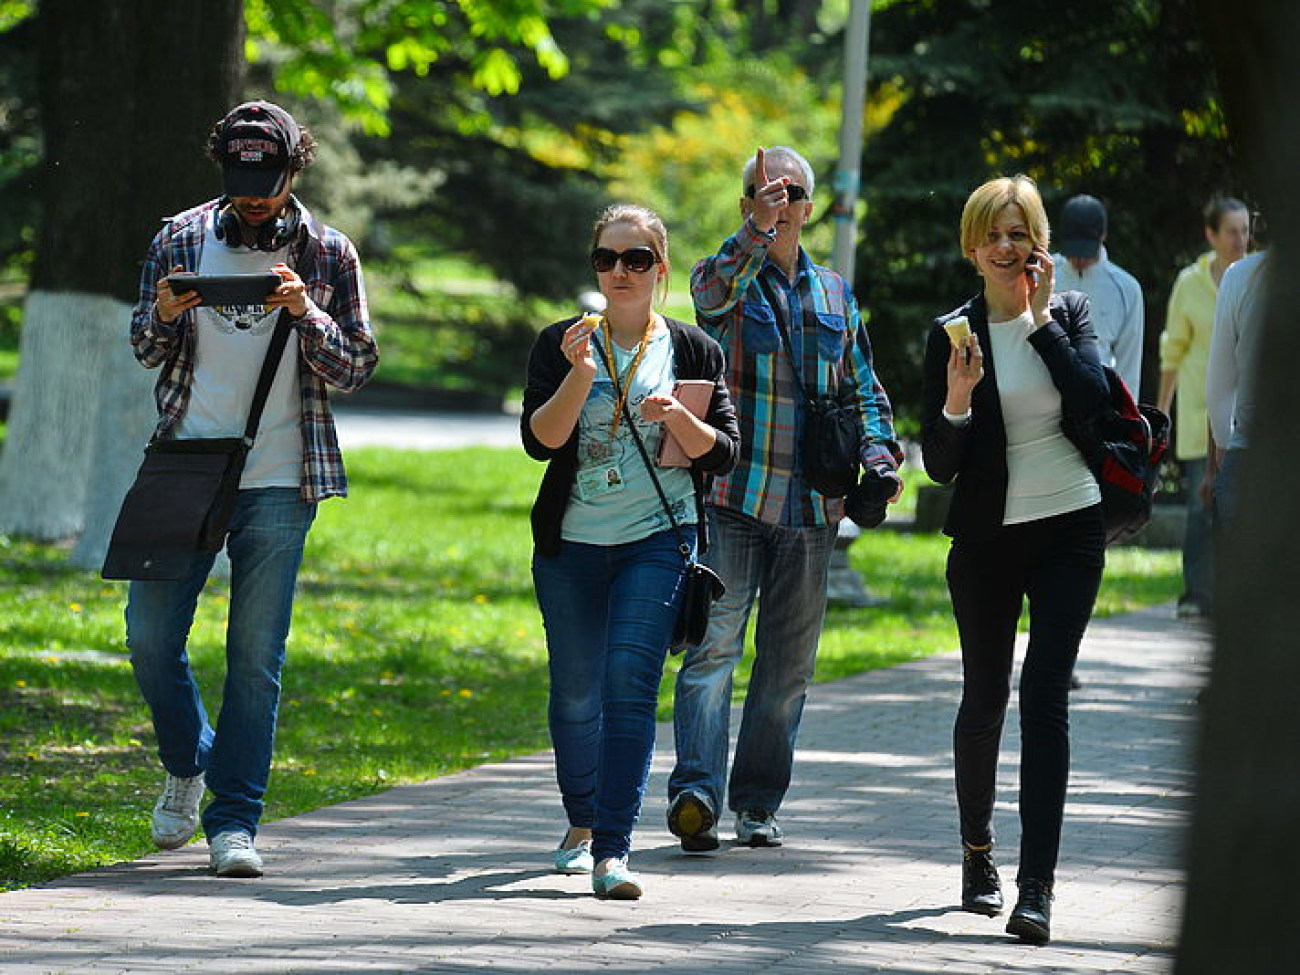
(267, 376)
(280, 338)
(645, 455)
(796, 364)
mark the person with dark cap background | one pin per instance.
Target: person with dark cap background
(209, 359)
(1114, 295)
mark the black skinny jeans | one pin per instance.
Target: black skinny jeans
(1057, 563)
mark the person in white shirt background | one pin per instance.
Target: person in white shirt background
(1114, 295)
(1230, 379)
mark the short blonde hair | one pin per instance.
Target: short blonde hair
(645, 220)
(983, 206)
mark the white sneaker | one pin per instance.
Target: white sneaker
(176, 813)
(232, 855)
(757, 827)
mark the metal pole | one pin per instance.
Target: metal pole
(844, 585)
(848, 173)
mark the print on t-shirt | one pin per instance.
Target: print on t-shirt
(253, 319)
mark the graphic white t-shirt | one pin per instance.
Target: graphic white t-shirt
(231, 343)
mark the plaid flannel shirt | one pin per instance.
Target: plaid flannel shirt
(835, 353)
(336, 346)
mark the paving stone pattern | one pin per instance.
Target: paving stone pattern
(453, 875)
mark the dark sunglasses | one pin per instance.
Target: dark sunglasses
(635, 259)
(797, 193)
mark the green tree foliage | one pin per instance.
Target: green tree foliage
(521, 175)
(1113, 99)
(689, 170)
(19, 138)
(350, 51)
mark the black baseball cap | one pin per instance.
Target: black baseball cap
(1082, 227)
(255, 147)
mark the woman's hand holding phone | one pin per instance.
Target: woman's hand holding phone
(1040, 277)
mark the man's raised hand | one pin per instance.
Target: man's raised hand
(770, 196)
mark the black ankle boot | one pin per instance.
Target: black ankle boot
(1031, 920)
(981, 890)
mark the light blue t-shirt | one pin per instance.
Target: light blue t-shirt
(613, 500)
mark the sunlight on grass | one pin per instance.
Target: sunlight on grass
(417, 650)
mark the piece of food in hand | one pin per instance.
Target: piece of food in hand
(959, 333)
(590, 320)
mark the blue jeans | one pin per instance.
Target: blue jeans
(1227, 488)
(789, 566)
(1198, 546)
(267, 532)
(609, 612)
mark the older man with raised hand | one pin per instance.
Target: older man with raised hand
(783, 323)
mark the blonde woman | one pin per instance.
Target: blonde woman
(1026, 524)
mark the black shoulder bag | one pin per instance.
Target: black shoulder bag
(831, 432)
(184, 492)
(701, 585)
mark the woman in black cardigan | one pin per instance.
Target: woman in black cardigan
(607, 565)
(1026, 523)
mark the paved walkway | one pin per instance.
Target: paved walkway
(451, 875)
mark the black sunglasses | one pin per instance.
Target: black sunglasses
(636, 259)
(797, 193)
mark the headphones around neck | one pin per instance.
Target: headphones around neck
(273, 235)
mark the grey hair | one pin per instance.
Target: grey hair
(780, 153)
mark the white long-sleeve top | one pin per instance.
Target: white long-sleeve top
(1234, 345)
(1118, 312)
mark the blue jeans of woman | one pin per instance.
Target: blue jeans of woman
(267, 532)
(609, 612)
(1056, 563)
(789, 565)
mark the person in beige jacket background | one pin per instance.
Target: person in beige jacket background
(1184, 352)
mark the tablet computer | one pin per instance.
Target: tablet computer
(226, 289)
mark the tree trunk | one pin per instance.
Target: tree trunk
(128, 93)
(1244, 858)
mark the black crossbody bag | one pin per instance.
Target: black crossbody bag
(184, 492)
(831, 430)
(702, 585)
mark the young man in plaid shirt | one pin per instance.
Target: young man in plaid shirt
(209, 359)
(771, 532)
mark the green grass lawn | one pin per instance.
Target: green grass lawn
(417, 650)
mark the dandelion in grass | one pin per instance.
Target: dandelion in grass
(75, 607)
(480, 599)
(465, 692)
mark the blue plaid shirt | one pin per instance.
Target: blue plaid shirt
(833, 352)
(336, 346)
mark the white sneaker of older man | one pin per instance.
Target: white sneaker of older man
(176, 813)
(232, 854)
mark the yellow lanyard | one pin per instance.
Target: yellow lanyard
(623, 384)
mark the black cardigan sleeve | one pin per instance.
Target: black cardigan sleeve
(1070, 350)
(547, 368)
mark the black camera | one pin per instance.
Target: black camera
(866, 503)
